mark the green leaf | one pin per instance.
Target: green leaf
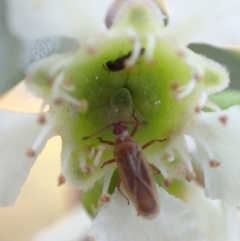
(114, 181)
(91, 197)
(226, 98)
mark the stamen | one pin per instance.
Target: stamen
(203, 143)
(56, 85)
(201, 101)
(45, 134)
(182, 150)
(90, 151)
(223, 119)
(133, 36)
(174, 85)
(30, 152)
(150, 47)
(212, 106)
(167, 182)
(82, 161)
(81, 104)
(213, 163)
(91, 45)
(59, 95)
(61, 63)
(197, 73)
(105, 198)
(65, 156)
(168, 156)
(190, 176)
(97, 158)
(58, 101)
(68, 86)
(61, 180)
(42, 116)
(195, 67)
(129, 63)
(185, 90)
(88, 169)
(42, 119)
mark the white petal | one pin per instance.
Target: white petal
(205, 21)
(72, 227)
(222, 140)
(220, 222)
(17, 132)
(118, 221)
(32, 19)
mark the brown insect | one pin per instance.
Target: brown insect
(119, 63)
(134, 170)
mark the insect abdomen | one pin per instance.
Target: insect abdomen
(137, 179)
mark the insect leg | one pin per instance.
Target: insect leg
(118, 187)
(108, 162)
(151, 142)
(155, 169)
(136, 124)
(106, 142)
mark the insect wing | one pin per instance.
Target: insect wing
(137, 180)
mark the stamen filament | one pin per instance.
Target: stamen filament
(45, 134)
(150, 47)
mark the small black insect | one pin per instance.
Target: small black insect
(119, 63)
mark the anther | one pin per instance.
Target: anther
(42, 119)
(168, 156)
(197, 109)
(30, 152)
(181, 53)
(105, 198)
(174, 85)
(88, 169)
(58, 100)
(190, 176)
(167, 182)
(83, 106)
(223, 119)
(90, 151)
(213, 163)
(197, 77)
(61, 180)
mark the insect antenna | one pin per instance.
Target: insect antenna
(97, 132)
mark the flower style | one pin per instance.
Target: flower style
(137, 64)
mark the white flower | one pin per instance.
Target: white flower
(216, 134)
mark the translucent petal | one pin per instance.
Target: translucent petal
(17, 132)
(11, 68)
(32, 19)
(219, 221)
(118, 221)
(213, 22)
(219, 141)
(44, 47)
(72, 227)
